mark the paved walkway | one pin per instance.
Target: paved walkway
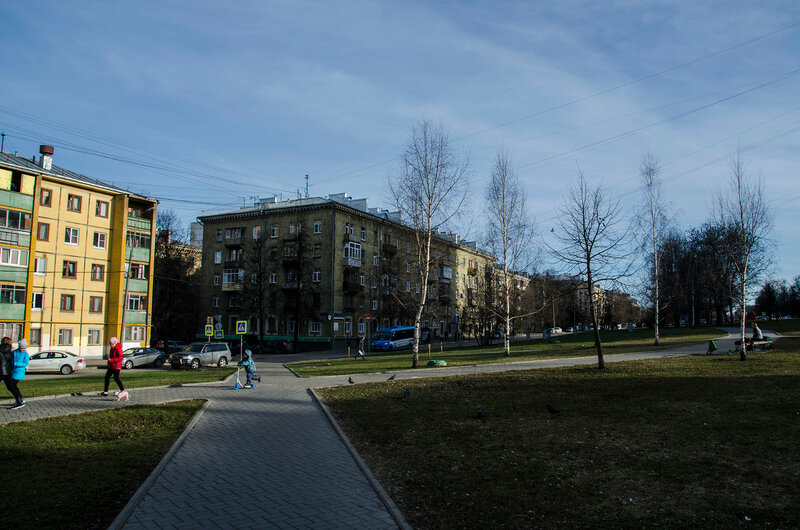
(295, 469)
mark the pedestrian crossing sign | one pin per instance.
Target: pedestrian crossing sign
(209, 330)
(218, 334)
(241, 327)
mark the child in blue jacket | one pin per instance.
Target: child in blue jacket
(250, 368)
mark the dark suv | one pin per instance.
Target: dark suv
(199, 354)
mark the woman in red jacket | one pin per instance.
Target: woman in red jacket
(114, 366)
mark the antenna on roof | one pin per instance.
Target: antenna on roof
(3, 143)
(306, 186)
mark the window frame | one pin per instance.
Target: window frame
(64, 269)
(96, 237)
(74, 202)
(100, 207)
(67, 303)
(46, 197)
(93, 301)
(70, 231)
(65, 337)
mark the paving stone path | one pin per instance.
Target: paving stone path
(273, 444)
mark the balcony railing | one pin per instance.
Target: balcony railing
(350, 261)
(233, 241)
(352, 287)
(137, 223)
(231, 286)
(291, 285)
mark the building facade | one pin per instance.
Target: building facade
(77, 258)
(320, 269)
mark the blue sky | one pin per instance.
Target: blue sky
(205, 105)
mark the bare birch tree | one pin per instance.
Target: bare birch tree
(654, 223)
(745, 209)
(429, 190)
(594, 242)
(510, 234)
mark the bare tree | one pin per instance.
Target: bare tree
(510, 234)
(654, 223)
(746, 211)
(429, 190)
(593, 242)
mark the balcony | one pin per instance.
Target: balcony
(352, 237)
(231, 286)
(137, 254)
(444, 296)
(352, 286)
(135, 285)
(135, 317)
(444, 279)
(290, 285)
(350, 261)
(232, 264)
(137, 223)
(472, 271)
(388, 250)
(15, 237)
(12, 311)
(290, 262)
(472, 297)
(233, 241)
(16, 200)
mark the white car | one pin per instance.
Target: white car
(556, 329)
(56, 361)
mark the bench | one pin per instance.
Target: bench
(763, 345)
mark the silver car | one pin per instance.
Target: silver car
(199, 354)
(56, 361)
(141, 357)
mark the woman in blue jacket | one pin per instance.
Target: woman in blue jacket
(21, 360)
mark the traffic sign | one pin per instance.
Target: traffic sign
(241, 327)
(217, 326)
(218, 334)
(209, 331)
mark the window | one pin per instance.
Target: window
(73, 203)
(13, 256)
(68, 302)
(216, 279)
(94, 337)
(398, 244)
(408, 266)
(136, 302)
(316, 251)
(65, 336)
(138, 271)
(138, 240)
(95, 304)
(15, 219)
(236, 254)
(101, 209)
(39, 265)
(408, 247)
(362, 280)
(37, 301)
(314, 328)
(363, 234)
(232, 276)
(374, 304)
(256, 232)
(317, 227)
(352, 254)
(12, 294)
(71, 236)
(273, 277)
(374, 283)
(134, 333)
(417, 287)
(273, 231)
(375, 259)
(36, 337)
(361, 327)
(98, 272)
(295, 228)
(219, 235)
(315, 276)
(45, 197)
(43, 232)
(233, 301)
(215, 301)
(70, 269)
(408, 286)
(99, 240)
(217, 257)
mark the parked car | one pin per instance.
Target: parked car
(556, 329)
(199, 354)
(56, 361)
(569, 329)
(142, 357)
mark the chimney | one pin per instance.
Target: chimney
(47, 156)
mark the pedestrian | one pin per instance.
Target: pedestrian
(7, 367)
(361, 348)
(21, 360)
(250, 369)
(757, 335)
(114, 367)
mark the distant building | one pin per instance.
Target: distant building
(67, 244)
(319, 268)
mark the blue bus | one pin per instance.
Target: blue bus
(394, 338)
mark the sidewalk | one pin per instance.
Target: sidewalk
(295, 470)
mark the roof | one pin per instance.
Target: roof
(29, 165)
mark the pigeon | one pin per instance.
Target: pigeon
(392, 377)
(406, 394)
(552, 410)
(480, 413)
(350, 380)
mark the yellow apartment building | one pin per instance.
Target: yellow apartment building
(76, 258)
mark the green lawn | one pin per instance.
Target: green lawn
(94, 383)
(580, 345)
(684, 442)
(79, 471)
(784, 327)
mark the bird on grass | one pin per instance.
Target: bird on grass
(552, 410)
(350, 380)
(391, 378)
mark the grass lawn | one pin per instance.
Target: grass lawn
(684, 442)
(79, 471)
(94, 383)
(784, 327)
(580, 345)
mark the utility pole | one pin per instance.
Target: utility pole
(306, 186)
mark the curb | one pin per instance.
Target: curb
(394, 511)
(133, 502)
